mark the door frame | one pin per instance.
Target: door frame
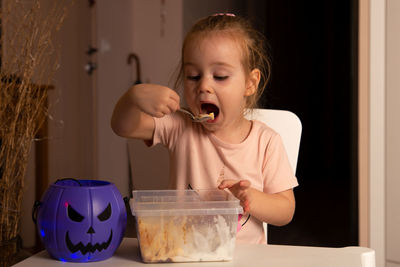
(372, 55)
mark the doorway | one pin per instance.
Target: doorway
(314, 74)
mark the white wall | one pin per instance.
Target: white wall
(392, 132)
(377, 128)
(384, 131)
(157, 42)
(114, 40)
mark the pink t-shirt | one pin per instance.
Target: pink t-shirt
(200, 160)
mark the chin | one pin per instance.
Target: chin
(211, 127)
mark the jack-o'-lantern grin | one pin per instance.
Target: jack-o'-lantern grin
(89, 247)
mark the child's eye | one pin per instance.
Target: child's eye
(193, 77)
(220, 78)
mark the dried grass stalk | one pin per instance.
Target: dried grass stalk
(28, 64)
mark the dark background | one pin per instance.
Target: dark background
(314, 74)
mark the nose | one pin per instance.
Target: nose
(91, 230)
(205, 86)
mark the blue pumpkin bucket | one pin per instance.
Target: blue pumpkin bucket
(81, 220)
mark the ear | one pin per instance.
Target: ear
(252, 82)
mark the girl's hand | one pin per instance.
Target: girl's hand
(155, 100)
(276, 209)
(133, 114)
(240, 189)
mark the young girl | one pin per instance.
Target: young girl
(224, 71)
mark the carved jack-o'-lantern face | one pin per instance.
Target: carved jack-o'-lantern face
(89, 247)
(82, 220)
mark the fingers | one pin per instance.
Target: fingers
(174, 103)
(244, 184)
(239, 190)
(245, 205)
(155, 100)
(229, 183)
(168, 104)
(175, 97)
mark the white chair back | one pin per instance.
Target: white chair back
(287, 124)
(289, 127)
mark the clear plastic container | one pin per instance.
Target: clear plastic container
(185, 225)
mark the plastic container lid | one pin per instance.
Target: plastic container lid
(183, 202)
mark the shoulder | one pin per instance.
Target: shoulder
(266, 138)
(262, 130)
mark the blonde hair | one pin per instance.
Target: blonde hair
(253, 44)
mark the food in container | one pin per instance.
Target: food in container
(185, 225)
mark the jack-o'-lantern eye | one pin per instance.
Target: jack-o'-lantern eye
(74, 215)
(105, 214)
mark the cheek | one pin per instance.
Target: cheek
(189, 94)
(233, 103)
(188, 86)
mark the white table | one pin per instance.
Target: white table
(245, 255)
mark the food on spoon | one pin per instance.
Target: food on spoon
(209, 115)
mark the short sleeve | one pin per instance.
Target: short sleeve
(167, 130)
(277, 172)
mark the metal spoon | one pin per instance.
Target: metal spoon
(200, 118)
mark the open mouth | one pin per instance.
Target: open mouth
(207, 108)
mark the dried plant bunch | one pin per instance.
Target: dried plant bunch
(28, 63)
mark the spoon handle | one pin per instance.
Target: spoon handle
(190, 114)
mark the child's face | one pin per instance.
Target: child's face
(214, 79)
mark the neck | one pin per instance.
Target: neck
(236, 132)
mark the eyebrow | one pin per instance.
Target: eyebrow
(218, 63)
